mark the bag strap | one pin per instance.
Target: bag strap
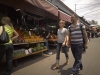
(69, 29)
(82, 33)
(81, 29)
(3, 28)
(70, 32)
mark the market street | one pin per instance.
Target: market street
(43, 65)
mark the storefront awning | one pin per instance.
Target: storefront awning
(40, 7)
(64, 16)
(43, 4)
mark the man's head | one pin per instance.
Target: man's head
(74, 18)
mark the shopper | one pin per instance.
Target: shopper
(7, 48)
(61, 43)
(45, 34)
(96, 36)
(92, 33)
(76, 42)
(89, 33)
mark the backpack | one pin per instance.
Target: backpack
(4, 38)
(82, 34)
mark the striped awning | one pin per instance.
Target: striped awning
(32, 6)
(43, 4)
(64, 16)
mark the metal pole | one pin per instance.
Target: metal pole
(75, 8)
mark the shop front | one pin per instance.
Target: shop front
(28, 16)
(27, 19)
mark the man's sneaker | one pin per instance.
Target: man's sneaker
(50, 53)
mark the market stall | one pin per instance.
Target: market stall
(26, 24)
(28, 17)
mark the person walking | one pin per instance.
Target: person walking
(62, 35)
(76, 42)
(7, 48)
(88, 32)
(92, 34)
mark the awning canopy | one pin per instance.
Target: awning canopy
(40, 7)
(43, 4)
(64, 16)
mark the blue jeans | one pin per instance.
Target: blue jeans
(8, 50)
(47, 45)
(64, 50)
(77, 54)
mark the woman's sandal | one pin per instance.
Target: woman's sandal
(56, 67)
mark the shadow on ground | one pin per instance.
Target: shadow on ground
(63, 72)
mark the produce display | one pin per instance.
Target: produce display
(24, 37)
(39, 46)
(45, 47)
(33, 39)
(18, 53)
(53, 38)
(22, 52)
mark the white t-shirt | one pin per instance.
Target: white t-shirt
(61, 35)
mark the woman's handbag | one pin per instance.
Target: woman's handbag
(4, 38)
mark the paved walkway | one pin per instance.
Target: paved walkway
(43, 65)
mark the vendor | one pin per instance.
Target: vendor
(45, 34)
(53, 35)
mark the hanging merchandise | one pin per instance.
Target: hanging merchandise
(42, 24)
(23, 22)
(30, 33)
(22, 18)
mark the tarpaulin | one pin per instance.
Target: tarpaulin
(64, 16)
(40, 7)
(43, 4)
